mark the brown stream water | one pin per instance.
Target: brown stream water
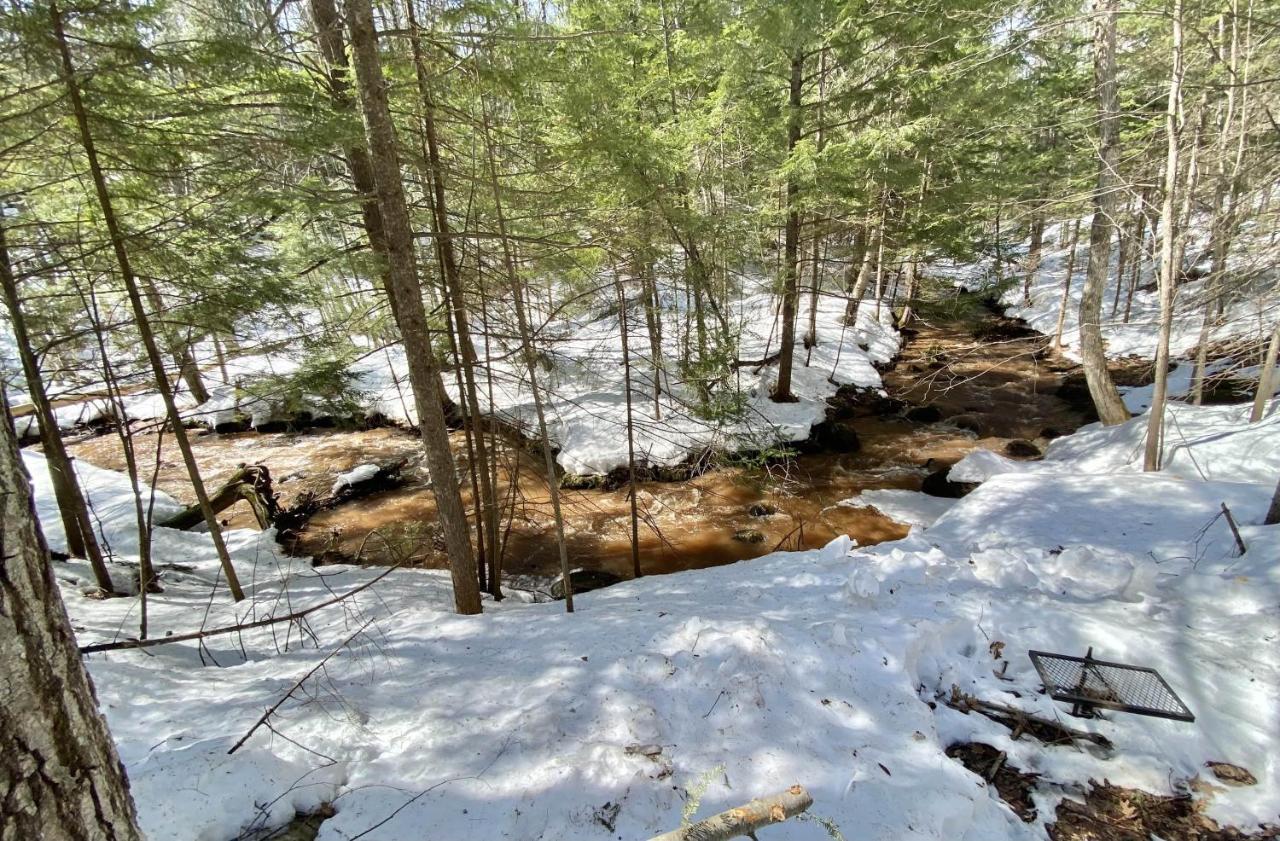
(1000, 387)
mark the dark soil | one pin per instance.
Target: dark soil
(1013, 785)
(1112, 813)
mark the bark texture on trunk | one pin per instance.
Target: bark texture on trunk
(403, 287)
(60, 777)
(1093, 352)
(1266, 379)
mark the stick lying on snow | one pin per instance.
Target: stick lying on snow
(230, 629)
(744, 820)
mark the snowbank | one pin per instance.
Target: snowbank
(586, 407)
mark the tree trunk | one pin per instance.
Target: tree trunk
(62, 778)
(1266, 379)
(142, 322)
(531, 363)
(453, 281)
(1273, 512)
(791, 244)
(910, 293)
(1033, 257)
(82, 542)
(631, 439)
(1066, 284)
(865, 272)
(402, 286)
(1093, 352)
(1168, 254)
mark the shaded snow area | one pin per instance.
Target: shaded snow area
(825, 667)
(1251, 311)
(912, 508)
(583, 372)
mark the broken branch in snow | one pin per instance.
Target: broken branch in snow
(1020, 721)
(251, 482)
(1235, 530)
(231, 629)
(744, 820)
(296, 686)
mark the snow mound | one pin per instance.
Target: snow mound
(911, 508)
(354, 476)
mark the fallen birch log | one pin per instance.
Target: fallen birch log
(744, 820)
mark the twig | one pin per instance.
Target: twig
(1235, 531)
(231, 629)
(296, 686)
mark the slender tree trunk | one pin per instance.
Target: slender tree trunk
(910, 293)
(1169, 267)
(865, 271)
(403, 287)
(531, 363)
(1124, 242)
(815, 288)
(82, 542)
(791, 245)
(653, 324)
(631, 439)
(1033, 257)
(1093, 352)
(143, 324)
(453, 280)
(1266, 378)
(1066, 284)
(62, 778)
(1139, 249)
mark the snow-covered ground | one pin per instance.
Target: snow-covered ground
(586, 408)
(823, 667)
(1252, 310)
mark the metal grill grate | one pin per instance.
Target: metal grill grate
(1088, 683)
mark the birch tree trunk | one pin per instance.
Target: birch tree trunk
(60, 777)
(82, 542)
(403, 287)
(1093, 352)
(1066, 284)
(142, 322)
(1266, 379)
(1168, 254)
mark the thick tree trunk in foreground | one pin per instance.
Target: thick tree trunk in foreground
(141, 320)
(744, 820)
(60, 777)
(1093, 352)
(403, 288)
(1170, 262)
(82, 542)
(791, 243)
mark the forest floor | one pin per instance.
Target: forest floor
(832, 666)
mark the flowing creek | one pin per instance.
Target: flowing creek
(987, 392)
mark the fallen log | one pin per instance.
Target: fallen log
(251, 482)
(744, 820)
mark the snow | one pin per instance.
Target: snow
(583, 386)
(1250, 313)
(354, 476)
(1201, 442)
(823, 667)
(911, 508)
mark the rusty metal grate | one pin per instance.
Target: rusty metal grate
(1087, 684)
